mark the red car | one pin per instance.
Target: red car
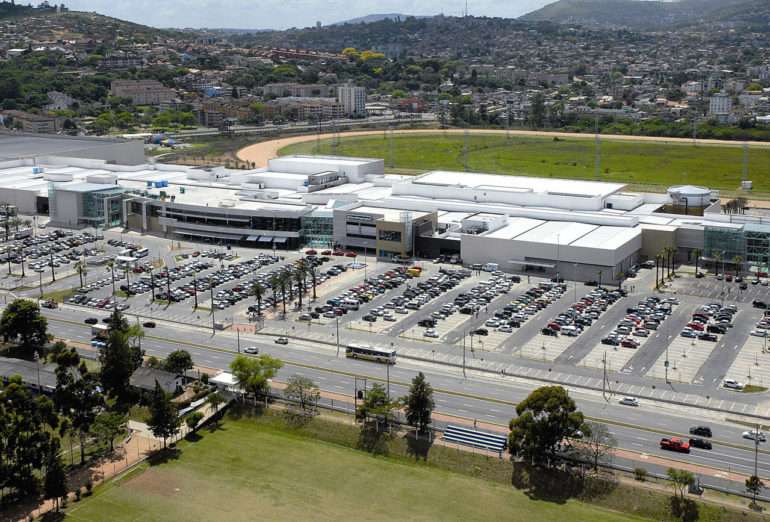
(310, 252)
(696, 326)
(326, 253)
(675, 444)
(338, 253)
(629, 343)
(351, 254)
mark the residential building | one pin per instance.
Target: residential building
(142, 92)
(352, 99)
(29, 122)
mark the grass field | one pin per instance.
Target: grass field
(248, 471)
(649, 165)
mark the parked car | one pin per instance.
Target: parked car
(732, 384)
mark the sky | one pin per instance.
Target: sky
(282, 14)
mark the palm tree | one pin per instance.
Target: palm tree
(283, 281)
(299, 277)
(697, 254)
(111, 268)
(717, 260)
(259, 292)
(738, 262)
(670, 257)
(80, 268)
(275, 283)
(287, 276)
(314, 279)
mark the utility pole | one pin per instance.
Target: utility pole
(195, 292)
(41, 284)
(337, 321)
(665, 365)
(464, 333)
(387, 379)
(238, 339)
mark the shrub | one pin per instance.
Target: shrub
(640, 474)
(89, 488)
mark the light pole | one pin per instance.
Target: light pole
(464, 334)
(41, 284)
(337, 321)
(665, 365)
(213, 321)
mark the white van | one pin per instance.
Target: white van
(349, 304)
(491, 267)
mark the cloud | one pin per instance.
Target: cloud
(281, 14)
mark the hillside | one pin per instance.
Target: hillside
(368, 19)
(653, 14)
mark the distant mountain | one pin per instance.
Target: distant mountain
(654, 14)
(368, 19)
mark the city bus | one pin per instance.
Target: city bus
(142, 252)
(362, 351)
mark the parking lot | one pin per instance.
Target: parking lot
(748, 289)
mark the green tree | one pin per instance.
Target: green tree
(254, 373)
(537, 111)
(164, 418)
(419, 404)
(546, 418)
(22, 322)
(178, 362)
(119, 360)
(376, 415)
(77, 395)
(80, 268)
(680, 480)
(754, 486)
(27, 423)
(193, 420)
(55, 483)
(304, 392)
(258, 289)
(108, 425)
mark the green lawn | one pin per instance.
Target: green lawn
(249, 471)
(653, 166)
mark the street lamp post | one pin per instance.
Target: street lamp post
(464, 334)
(337, 321)
(213, 320)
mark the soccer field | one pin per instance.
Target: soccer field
(250, 472)
(644, 164)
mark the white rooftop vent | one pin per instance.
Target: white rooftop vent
(228, 203)
(58, 177)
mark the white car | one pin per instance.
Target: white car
(754, 435)
(505, 329)
(732, 384)
(629, 401)
(758, 333)
(430, 332)
(282, 340)
(253, 350)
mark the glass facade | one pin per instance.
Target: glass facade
(318, 231)
(757, 239)
(751, 244)
(103, 208)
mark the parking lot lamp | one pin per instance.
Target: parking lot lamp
(41, 284)
(665, 365)
(213, 321)
(152, 284)
(337, 321)
(464, 333)
(195, 291)
(53, 273)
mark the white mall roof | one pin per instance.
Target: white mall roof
(519, 183)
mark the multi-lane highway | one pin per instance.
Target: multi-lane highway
(486, 398)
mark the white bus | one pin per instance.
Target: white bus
(142, 252)
(362, 351)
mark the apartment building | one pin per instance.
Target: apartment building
(142, 92)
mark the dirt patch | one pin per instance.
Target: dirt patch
(156, 482)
